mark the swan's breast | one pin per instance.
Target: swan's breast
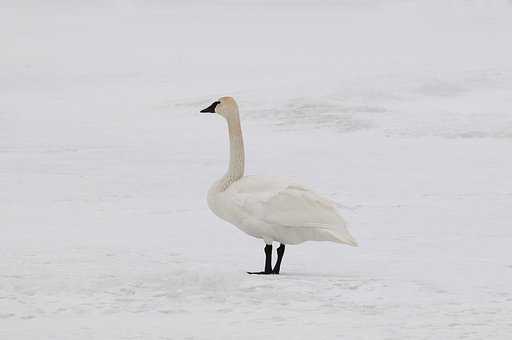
(218, 202)
(213, 200)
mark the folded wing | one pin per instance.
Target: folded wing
(294, 211)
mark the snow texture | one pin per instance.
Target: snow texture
(399, 111)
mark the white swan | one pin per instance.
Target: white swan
(268, 208)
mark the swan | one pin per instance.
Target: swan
(268, 208)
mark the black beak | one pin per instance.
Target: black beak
(211, 108)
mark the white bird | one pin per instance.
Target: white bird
(272, 209)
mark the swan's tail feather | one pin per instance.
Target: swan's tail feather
(344, 237)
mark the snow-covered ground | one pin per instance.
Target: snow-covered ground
(400, 111)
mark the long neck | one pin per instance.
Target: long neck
(236, 153)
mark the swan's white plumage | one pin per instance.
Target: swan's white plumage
(277, 209)
(273, 209)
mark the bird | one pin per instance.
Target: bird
(273, 209)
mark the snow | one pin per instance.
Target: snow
(400, 111)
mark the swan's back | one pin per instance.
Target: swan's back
(284, 211)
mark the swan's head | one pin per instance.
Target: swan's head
(224, 106)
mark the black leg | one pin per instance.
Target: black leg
(280, 253)
(268, 261)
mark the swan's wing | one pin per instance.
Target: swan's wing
(284, 204)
